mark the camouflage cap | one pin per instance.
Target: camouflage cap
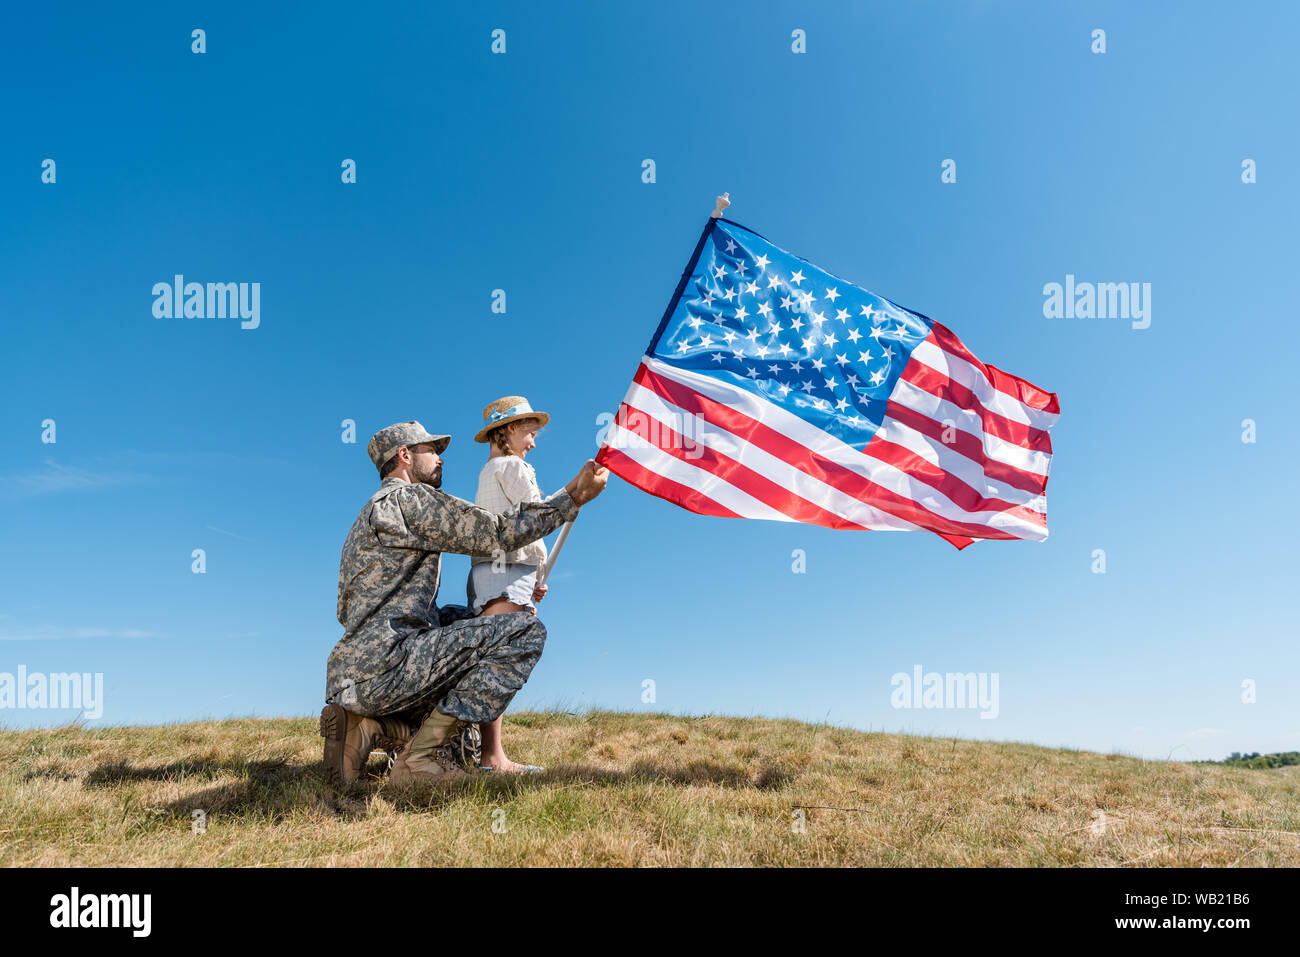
(385, 443)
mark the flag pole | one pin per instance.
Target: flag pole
(545, 573)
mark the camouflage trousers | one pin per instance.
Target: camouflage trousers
(470, 669)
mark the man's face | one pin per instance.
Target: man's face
(426, 465)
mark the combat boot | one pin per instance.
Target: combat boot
(392, 735)
(349, 739)
(426, 756)
(435, 764)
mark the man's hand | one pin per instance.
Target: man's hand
(539, 592)
(588, 483)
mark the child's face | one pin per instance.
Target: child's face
(523, 438)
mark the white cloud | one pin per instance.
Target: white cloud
(53, 478)
(56, 633)
(224, 532)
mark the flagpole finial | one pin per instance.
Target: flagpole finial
(723, 202)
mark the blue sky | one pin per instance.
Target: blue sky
(523, 172)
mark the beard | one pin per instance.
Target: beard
(432, 478)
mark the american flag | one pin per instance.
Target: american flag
(772, 389)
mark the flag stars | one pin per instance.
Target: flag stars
(717, 323)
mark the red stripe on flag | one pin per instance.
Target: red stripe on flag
(971, 447)
(1026, 393)
(787, 450)
(961, 494)
(785, 501)
(654, 483)
(994, 423)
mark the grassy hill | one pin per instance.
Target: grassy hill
(631, 789)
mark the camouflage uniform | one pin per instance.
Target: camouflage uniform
(402, 654)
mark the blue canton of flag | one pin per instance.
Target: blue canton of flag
(774, 324)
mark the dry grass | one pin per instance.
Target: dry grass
(630, 789)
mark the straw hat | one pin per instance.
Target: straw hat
(507, 409)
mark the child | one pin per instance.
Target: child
(507, 582)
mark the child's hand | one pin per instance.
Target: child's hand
(539, 592)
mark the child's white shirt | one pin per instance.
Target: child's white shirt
(505, 481)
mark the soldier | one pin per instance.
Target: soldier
(401, 655)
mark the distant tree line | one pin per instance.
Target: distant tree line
(1260, 761)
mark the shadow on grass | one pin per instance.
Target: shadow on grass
(120, 772)
(272, 789)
